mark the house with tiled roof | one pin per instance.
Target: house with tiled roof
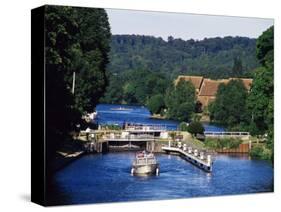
(206, 89)
(195, 80)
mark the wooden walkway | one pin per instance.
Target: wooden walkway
(204, 163)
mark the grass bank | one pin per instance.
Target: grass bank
(222, 143)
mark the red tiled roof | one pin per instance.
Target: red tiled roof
(195, 80)
(210, 87)
(207, 88)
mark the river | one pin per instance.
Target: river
(119, 114)
(106, 178)
(99, 178)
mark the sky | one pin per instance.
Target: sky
(184, 25)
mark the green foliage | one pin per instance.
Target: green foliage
(211, 57)
(183, 126)
(60, 37)
(228, 143)
(237, 69)
(265, 47)
(195, 128)
(156, 103)
(134, 87)
(229, 108)
(260, 101)
(261, 152)
(180, 101)
(144, 66)
(77, 40)
(112, 127)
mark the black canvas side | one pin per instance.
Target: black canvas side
(37, 107)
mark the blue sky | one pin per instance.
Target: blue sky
(184, 25)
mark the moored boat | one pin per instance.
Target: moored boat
(145, 164)
(122, 109)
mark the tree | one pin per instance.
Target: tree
(77, 40)
(94, 39)
(183, 126)
(195, 128)
(260, 101)
(156, 103)
(114, 91)
(61, 30)
(180, 101)
(237, 69)
(135, 87)
(264, 48)
(229, 108)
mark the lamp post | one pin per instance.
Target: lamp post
(73, 83)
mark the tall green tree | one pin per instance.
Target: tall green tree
(60, 29)
(156, 103)
(180, 101)
(265, 47)
(93, 40)
(77, 40)
(260, 101)
(229, 108)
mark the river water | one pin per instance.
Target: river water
(99, 178)
(120, 114)
(106, 178)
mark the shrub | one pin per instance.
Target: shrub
(261, 152)
(195, 128)
(183, 126)
(229, 143)
(156, 103)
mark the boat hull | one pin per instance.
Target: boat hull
(150, 169)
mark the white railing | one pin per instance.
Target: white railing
(226, 134)
(146, 127)
(145, 161)
(116, 136)
(193, 154)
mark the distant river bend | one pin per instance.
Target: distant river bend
(120, 114)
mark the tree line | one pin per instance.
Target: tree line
(211, 57)
(142, 68)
